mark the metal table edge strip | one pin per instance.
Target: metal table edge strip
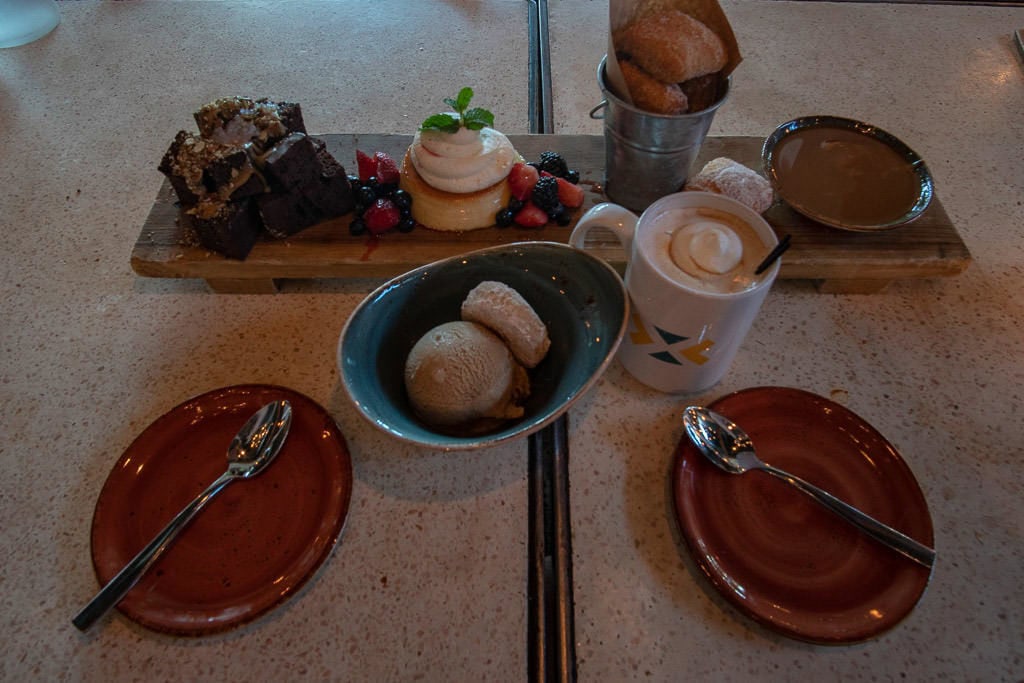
(551, 639)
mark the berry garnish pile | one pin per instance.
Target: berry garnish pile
(380, 205)
(542, 191)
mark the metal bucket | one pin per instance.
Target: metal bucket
(648, 156)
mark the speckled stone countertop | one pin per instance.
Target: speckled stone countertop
(429, 579)
(936, 366)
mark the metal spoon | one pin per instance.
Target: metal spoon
(728, 446)
(253, 448)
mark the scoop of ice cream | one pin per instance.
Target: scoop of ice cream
(464, 161)
(459, 372)
(706, 246)
(506, 312)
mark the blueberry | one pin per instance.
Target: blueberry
(504, 218)
(354, 183)
(365, 195)
(515, 204)
(573, 177)
(564, 218)
(357, 226)
(402, 199)
(406, 225)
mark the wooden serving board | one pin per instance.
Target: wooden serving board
(842, 261)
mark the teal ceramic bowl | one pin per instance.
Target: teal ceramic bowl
(580, 298)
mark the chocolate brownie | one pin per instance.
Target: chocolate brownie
(229, 228)
(334, 193)
(309, 186)
(197, 168)
(241, 119)
(252, 168)
(287, 213)
(292, 162)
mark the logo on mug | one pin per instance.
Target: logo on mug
(669, 347)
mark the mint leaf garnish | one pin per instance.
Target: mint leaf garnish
(473, 119)
(465, 95)
(442, 122)
(477, 118)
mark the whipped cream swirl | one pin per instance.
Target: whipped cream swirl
(462, 162)
(706, 247)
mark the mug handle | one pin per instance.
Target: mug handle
(618, 219)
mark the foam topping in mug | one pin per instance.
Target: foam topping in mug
(706, 249)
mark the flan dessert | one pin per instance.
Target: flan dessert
(457, 168)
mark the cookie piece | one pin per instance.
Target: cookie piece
(502, 309)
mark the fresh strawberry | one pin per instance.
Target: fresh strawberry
(387, 169)
(367, 166)
(531, 216)
(381, 216)
(545, 174)
(570, 195)
(521, 180)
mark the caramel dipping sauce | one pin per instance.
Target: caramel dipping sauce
(847, 177)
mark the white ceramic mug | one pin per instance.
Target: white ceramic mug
(685, 331)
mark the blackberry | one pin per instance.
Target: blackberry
(545, 194)
(553, 163)
(504, 218)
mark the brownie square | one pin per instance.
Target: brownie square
(229, 228)
(287, 213)
(243, 119)
(198, 168)
(292, 162)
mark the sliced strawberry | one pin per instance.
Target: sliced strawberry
(570, 195)
(381, 216)
(387, 169)
(531, 216)
(545, 174)
(521, 180)
(367, 166)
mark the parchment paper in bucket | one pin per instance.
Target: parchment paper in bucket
(623, 12)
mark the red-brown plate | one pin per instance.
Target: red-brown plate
(255, 544)
(780, 557)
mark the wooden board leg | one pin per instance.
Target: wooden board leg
(242, 286)
(852, 286)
